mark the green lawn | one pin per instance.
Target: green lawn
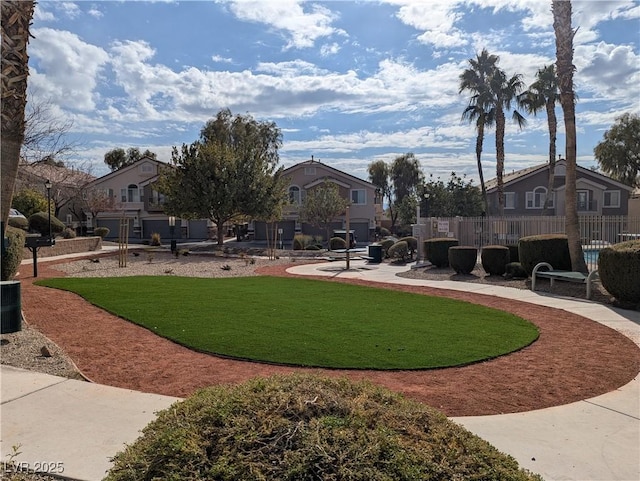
(308, 322)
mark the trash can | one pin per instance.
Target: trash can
(375, 252)
(11, 317)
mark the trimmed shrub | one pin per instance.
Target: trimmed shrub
(336, 243)
(382, 231)
(412, 243)
(386, 245)
(103, 232)
(436, 250)
(155, 239)
(313, 247)
(514, 270)
(513, 252)
(303, 427)
(68, 233)
(301, 241)
(463, 259)
(19, 223)
(39, 222)
(399, 250)
(619, 271)
(551, 248)
(495, 259)
(13, 255)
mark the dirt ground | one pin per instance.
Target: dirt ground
(574, 358)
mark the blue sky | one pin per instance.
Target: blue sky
(349, 82)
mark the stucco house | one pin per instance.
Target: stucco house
(311, 174)
(133, 197)
(525, 192)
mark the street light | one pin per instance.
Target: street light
(172, 225)
(47, 186)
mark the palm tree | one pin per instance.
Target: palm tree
(544, 93)
(16, 17)
(503, 91)
(564, 63)
(474, 80)
(493, 94)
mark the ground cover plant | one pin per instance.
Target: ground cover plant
(308, 322)
(307, 427)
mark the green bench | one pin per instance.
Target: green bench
(568, 276)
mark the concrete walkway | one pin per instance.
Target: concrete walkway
(77, 426)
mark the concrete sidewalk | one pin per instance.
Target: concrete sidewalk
(82, 425)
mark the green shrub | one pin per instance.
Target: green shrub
(386, 245)
(514, 270)
(304, 427)
(619, 271)
(404, 230)
(463, 259)
(513, 252)
(551, 248)
(30, 201)
(103, 232)
(19, 223)
(68, 233)
(412, 243)
(436, 250)
(399, 250)
(39, 222)
(155, 239)
(301, 241)
(312, 247)
(382, 231)
(13, 255)
(336, 243)
(495, 259)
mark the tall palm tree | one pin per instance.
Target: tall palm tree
(493, 94)
(16, 18)
(504, 91)
(564, 63)
(474, 79)
(544, 93)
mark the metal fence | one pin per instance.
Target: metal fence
(595, 230)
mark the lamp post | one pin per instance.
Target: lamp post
(47, 185)
(172, 225)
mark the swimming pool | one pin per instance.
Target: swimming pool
(591, 257)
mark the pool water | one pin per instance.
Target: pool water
(591, 257)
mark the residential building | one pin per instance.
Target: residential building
(312, 174)
(525, 191)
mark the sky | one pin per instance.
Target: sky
(347, 82)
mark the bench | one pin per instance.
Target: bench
(568, 276)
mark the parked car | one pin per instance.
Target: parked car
(15, 213)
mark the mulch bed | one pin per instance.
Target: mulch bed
(574, 358)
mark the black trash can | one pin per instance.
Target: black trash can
(375, 252)
(11, 316)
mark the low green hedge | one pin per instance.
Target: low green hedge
(551, 248)
(619, 271)
(463, 259)
(494, 259)
(13, 255)
(436, 250)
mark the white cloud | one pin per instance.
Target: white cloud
(71, 65)
(42, 15)
(221, 59)
(303, 26)
(68, 9)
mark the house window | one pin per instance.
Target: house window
(294, 195)
(130, 194)
(611, 198)
(146, 168)
(583, 200)
(509, 200)
(156, 198)
(358, 197)
(309, 171)
(535, 199)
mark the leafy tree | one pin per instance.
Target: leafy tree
(619, 152)
(479, 109)
(16, 18)
(494, 94)
(544, 94)
(118, 158)
(397, 181)
(322, 205)
(30, 201)
(230, 174)
(564, 34)
(456, 197)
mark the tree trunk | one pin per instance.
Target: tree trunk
(220, 227)
(553, 127)
(479, 143)
(16, 17)
(564, 55)
(500, 125)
